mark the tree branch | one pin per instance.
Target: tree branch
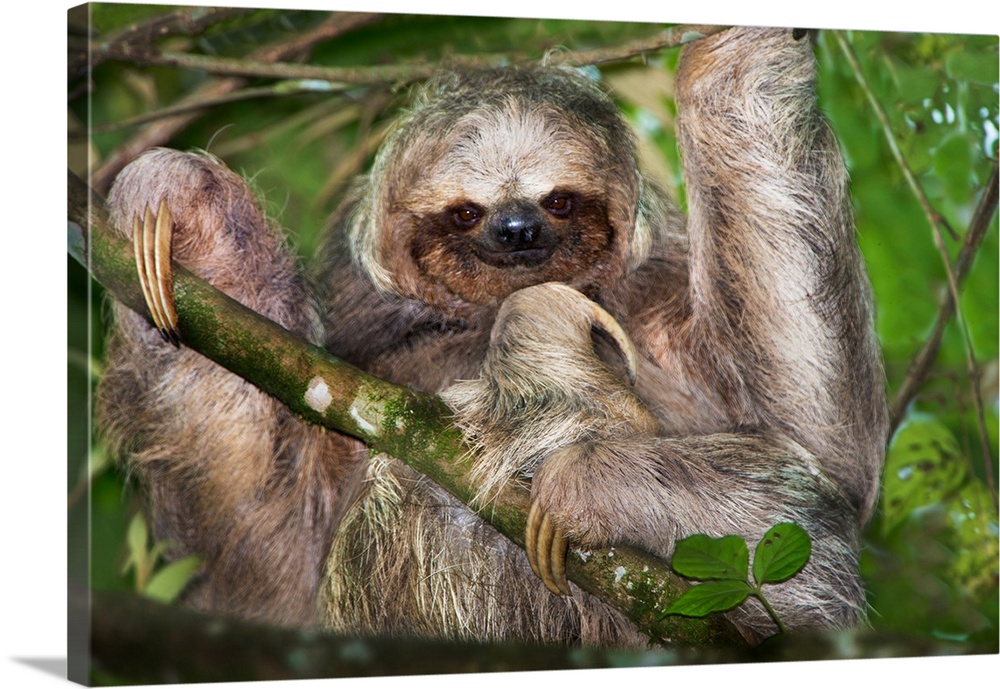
(921, 364)
(159, 132)
(88, 53)
(301, 78)
(920, 367)
(953, 308)
(140, 641)
(407, 73)
(280, 89)
(409, 425)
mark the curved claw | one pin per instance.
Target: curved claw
(617, 333)
(547, 546)
(152, 236)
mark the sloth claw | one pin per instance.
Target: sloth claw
(547, 546)
(152, 235)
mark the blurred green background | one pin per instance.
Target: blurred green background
(930, 559)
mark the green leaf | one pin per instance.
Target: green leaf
(166, 584)
(703, 557)
(138, 535)
(962, 64)
(781, 553)
(712, 596)
(924, 467)
(972, 523)
(136, 540)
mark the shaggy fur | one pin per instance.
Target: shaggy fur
(758, 395)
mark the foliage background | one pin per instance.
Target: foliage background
(930, 561)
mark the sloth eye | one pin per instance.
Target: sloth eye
(466, 216)
(559, 204)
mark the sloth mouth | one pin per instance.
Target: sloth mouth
(516, 258)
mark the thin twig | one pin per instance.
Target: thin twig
(671, 37)
(161, 131)
(187, 21)
(284, 88)
(921, 364)
(304, 78)
(364, 76)
(935, 220)
(408, 73)
(933, 217)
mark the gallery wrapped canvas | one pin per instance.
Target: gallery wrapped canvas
(432, 344)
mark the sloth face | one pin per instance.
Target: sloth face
(514, 202)
(485, 199)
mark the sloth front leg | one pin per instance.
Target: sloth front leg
(590, 494)
(192, 209)
(542, 390)
(229, 473)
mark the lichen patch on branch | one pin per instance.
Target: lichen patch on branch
(367, 415)
(318, 395)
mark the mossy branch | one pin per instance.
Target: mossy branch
(412, 426)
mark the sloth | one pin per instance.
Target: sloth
(649, 375)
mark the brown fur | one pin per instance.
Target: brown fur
(759, 395)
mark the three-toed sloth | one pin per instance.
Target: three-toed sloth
(503, 222)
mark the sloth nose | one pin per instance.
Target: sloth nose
(518, 231)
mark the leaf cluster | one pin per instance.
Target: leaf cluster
(721, 565)
(161, 583)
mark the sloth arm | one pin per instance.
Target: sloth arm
(780, 301)
(650, 492)
(230, 474)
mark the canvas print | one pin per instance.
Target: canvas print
(431, 344)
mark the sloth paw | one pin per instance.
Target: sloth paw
(152, 235)
(547, 546)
